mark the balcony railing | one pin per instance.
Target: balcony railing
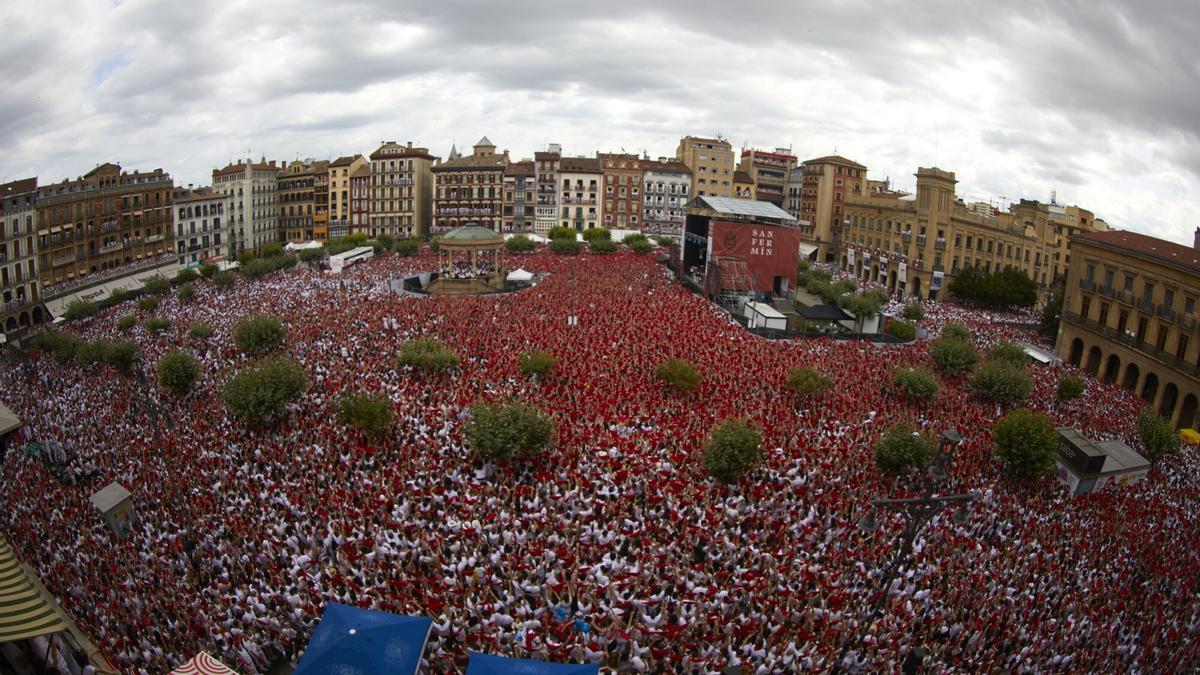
(906, 236)
(921, 240)
(62, 260)
(1166, 312)
(1124, 297)
(1146, 306)
(115, 246)
(939, 244)
(1132, 341)
(1087, 284)
(1186, 321)
(1106, 291)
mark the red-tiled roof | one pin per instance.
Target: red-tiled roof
(1145, 245)
(834, 159)
(18, 187)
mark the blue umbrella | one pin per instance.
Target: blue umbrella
(483, 664)
(364, 642)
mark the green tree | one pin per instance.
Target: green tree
(519, 244)
(311, 255)
(178, 371)
(807, 381)
(126, 322)
(121, 355)
(186, 292)
(88, 353)
(147, 303)
(1002, 289)
(156, 324)
(156, 285)
(369, 414)
(258, 334)
(117, 296)
(631, 239)
(385, 240)
(80, 309)
(602, 246)
(427, 355)
(913, 312)
(953, 356)
(665, 241)
(1070, 388)
(595, 234)
(900, 449)
(640, 246)
(537, 363)
(434, 245)
(223, 279)
(678, 373)
(271, 250)
(562, 233)
(260, 392)
(861, 305)
(185, 276)
(734, 447)
(1051, 315)
(245, 258)
(1002, 382)
(1026, 443)
(1009, 353)
(1157, 436)
(902, 330)
(955, 331)
(207, 270)
(62, 346)
(507, 431)
(917, 383)
(406, 248)
(200, 331)
(256, 268)
(565, 246)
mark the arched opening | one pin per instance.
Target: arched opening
(1150, 387)
(1132, 372)
(874, 272)
(1169, 398)
(891, 281)
(916, 286)
(11, 324)
(1187, 414)
(1076, 355)
(844, 262)
(1111, 368)
(1093, 361)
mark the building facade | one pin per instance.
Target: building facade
(297, 198)
(581, 200)
(401, 190)
(518, 196)
(1130, 317)
(915, 244)
(743, 185)
(769, 172)
(546, 167)
(340, 171)
(202, 233)
(360, 200)
(254, 191)
(623, 177)
(470, 189)
(820, 197)
(102, 221)
(19, 282)
(711, 163)
(667, 186)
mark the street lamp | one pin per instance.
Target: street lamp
(917, 512)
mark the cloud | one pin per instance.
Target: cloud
(1097, 100)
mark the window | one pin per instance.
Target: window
(1128, 283)
(1142, 329)
(1163, 332)
(1103, 319)
(1189, 305)
(1181, 348)
(1108, 278)
(1168, 299)
(1085, 304)
(1148, 292)
(1122, 320)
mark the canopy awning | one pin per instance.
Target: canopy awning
(8, 420)
(302, 247)
(520, 275)
(203, 664)
(365, 642)
(486, 664)
(24, 612)
(824, 313)
(807, 249)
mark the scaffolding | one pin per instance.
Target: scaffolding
(736, 284)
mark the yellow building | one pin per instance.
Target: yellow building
(711, 163)
(743, 185)
(401, 202)
(1068, 222)
(340, 171)
(817, 195)
(769, 173)
(915, 244)
(297, 198)
(1130, 317)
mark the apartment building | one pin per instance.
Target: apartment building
(582, 179)
(253, 188)
(768, 172)
(818, 191)
(18, 256)
(340, 171)
(546, 167)
(711, 163)
(666, 188)
(298, 187)
(402, 184)
(519, 189)
(623, 177)
(470, 189)
(202, 232)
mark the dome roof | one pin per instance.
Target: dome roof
(473, 233)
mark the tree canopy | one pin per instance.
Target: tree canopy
(1026, 443)
(1002, 289)
(509, 430)
(260, 392)
(678, 373)
(428, 355)
(369, 414)
(900, 449)
(807, 381)
(178, 371)
(734, 446)
(258, 334)
(1157, 436)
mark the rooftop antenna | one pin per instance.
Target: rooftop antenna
(1054, 197)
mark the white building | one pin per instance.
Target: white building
(580, 179)
(794, 192)
(667, 188)
(18, 255)
(202, 230)
(253, 216)
(546, 167)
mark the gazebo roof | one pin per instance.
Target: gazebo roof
(471, 235)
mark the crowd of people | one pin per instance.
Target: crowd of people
(613, 547)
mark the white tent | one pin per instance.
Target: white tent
(532, 237)
(302, 247)
(520, 275)
(203, 664)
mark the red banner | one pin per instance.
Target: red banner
(769, 251)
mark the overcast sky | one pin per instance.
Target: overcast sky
(1097, 100)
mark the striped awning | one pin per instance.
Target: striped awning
(24, 613)
(203, 664)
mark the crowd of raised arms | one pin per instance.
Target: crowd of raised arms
(614, 547)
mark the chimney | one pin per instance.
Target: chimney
(1196, 240)
(409, 144)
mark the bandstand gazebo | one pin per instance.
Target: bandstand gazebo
(470, 260)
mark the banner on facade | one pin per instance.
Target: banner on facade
(902, 273)
(938, 277)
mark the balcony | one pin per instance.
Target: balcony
(1166, 313)
(62, 259)
(921, 240)
(906, 236)
(1186, 321)
(1146, 306)
(1124, 297)
(1106, 291)
(1087, 284)
(939, 244)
